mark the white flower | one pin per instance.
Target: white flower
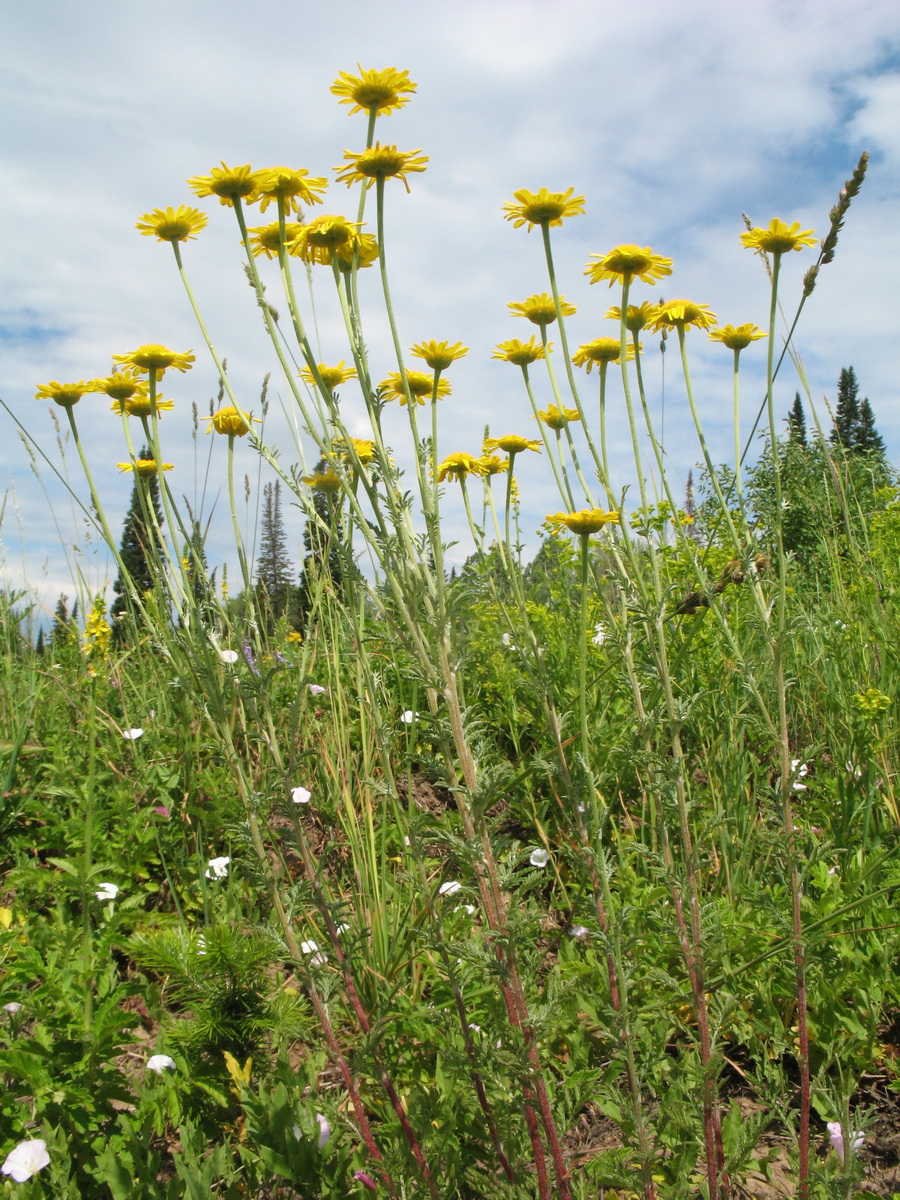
(836, 1135)
(318, 957)
(339, 929)
(300, 795)
(801, 770)
(316, 689)
(12, 1008)
(25, 1159)
(160, 1063)
(599, 634)
(450, 888)
(228, 656)
(107, 891)
(132, 735)
(539, 858)
(324, 1130)
(579, 931)
(468, 909)
(218, 868)
(507, 641)
(408, 717)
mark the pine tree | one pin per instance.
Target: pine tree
(273, 567)
(797, 423)
(321, 540)
(846, 416)
(867, 439)
(138, 543)
(62, 623)
(39, 648)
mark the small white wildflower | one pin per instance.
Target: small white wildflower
(579, 931)
(12, 1008)
(450, 888)
(316, 689)
(217, 868)
(539, 858)
(339, 929)
(132, 735)
(507, 641)
(599, 634)
(26, 1159)
(300, 795)
(228, 656)
(836, 1134)
(107, 891)
(408, 717)
(473, 1028)
(324, 1130)
(159, 1063)
(317, 957)
(800, 770)
(468, 909)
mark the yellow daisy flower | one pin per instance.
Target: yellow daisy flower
(289, 185)
(600, 350)
(520, 353)
(512, 443)
(64, 394)
(672, 313)
(586, 521)
(138, 405)
(778, 238)
(228, 183)
(232, 421)
(633, 261)
(542, 208)
(120, 385)
(380, 162)
(636, 315)
(556, 418)
(363, 448)
(541, 310)
(420, 386)
(153, 357)
(381, 90)
(332, 377)
(365, 248)
(493, 464)
(144, 466)
(324, 481)
(323, 236)
(172, 224)
(736, 337)
(439, 355)
(459, 465)
(266, 239)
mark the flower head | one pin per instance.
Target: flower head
(439, 355)
(332, 377)
(324, 481)
(599, 634)
(778, 238)
(542, 208)
(539, 858)
(332, 238)
(132, 735)
(420, 385)
(324, 1130)
(318, 958)
(121, 385)
(380, 162)
(218, 868)
(229, 656)
(520, 353)
(736, 337)
(493, 464)
(64, 394)
(172, 224)
(232, 421)
(145, 466)
(316, 689)
(266, 239)
(289, 185)
(458, 466)
(107, 891)
(580, 932)
(153, 357)
(585, 521)
(12, 1008)
(634, 262)
(26, 1159)
(601, 350)
(512, 443)
(636, 315)
(836, 1135)
(541, 309)
(159, 1063)
(408, 717)
(381, 90)
(228, 183)
(450, 888)
(557, 418)
(672, 313)
(300, 795)
(362, 448)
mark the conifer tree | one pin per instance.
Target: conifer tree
(867, 439)
(273, 567)
(846, 417)
(138, 542)
(797, 423)
(321, 540)
(62, 622)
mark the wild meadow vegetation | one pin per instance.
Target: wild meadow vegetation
(561, 876)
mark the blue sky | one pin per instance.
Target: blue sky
(671, 119)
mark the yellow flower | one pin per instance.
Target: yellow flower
(153, 357)
(600, 350)
(144, 466)
(459, 465)
(493, 464)
(633, 261)
(63, 394)
(120, 385)
(672, 313)
(97, 632)
(778, 238)
(361, 447)
(380, 162)
(294, 637)
(542, 208)
(636, 315)
(381, 90)
(324, 481)
(439, 355)
(557, 418)
(172, 224)
(736, 337)
(586, 521)
(512, 443)
(328, 235)
(228, 183)
(289, 185)
(138, 405)
(332, 377)
(365, 248)
(266, 239)
(520, 353)
(231, 420)
(420, 386)
(541, 310)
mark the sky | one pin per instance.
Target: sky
(672, 121)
